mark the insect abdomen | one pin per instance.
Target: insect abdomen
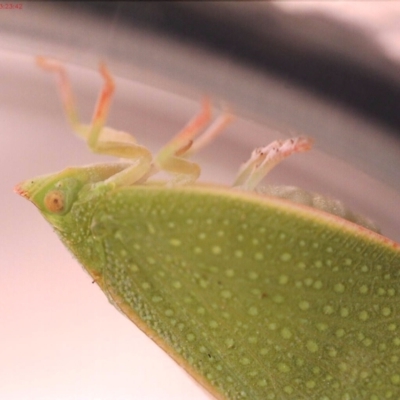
(320, 202)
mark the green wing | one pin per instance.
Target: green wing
(257, 300)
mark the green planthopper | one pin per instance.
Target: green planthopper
(258, 293)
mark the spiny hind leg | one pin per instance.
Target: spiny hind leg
(263, 159)
(101, 139)
(171, 157)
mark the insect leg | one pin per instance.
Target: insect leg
(68, 101)
(99, 138)
(112, 143)
(170, 156)
(263, 159)
(210, 133)
(65, 91)
(183, 145)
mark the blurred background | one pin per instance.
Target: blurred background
(329, 70)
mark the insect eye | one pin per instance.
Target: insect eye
(54, 201)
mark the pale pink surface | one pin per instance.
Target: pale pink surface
(59, 337)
